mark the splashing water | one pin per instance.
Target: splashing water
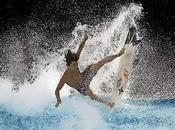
(32, 107)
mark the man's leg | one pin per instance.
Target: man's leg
(97, 66)
(89, 93)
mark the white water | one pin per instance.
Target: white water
(108, 38)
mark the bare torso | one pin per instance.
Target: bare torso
(72, 75)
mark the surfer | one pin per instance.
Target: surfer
(81, 80)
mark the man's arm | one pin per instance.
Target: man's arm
(57, 93)
(81, 46)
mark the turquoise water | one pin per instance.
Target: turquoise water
(79, 113)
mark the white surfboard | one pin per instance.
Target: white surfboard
(123, 72)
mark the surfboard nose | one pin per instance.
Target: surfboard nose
(131, 35)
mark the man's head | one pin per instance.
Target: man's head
(70, 57)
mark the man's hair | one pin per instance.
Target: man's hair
(70, 57)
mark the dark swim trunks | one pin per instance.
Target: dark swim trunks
(87, 76)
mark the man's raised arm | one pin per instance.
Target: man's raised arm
(81, 46)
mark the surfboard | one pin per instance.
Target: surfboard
(124, 69)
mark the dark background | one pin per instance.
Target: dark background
(55, 18)
(159, 14)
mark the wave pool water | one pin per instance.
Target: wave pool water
(80, 113)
